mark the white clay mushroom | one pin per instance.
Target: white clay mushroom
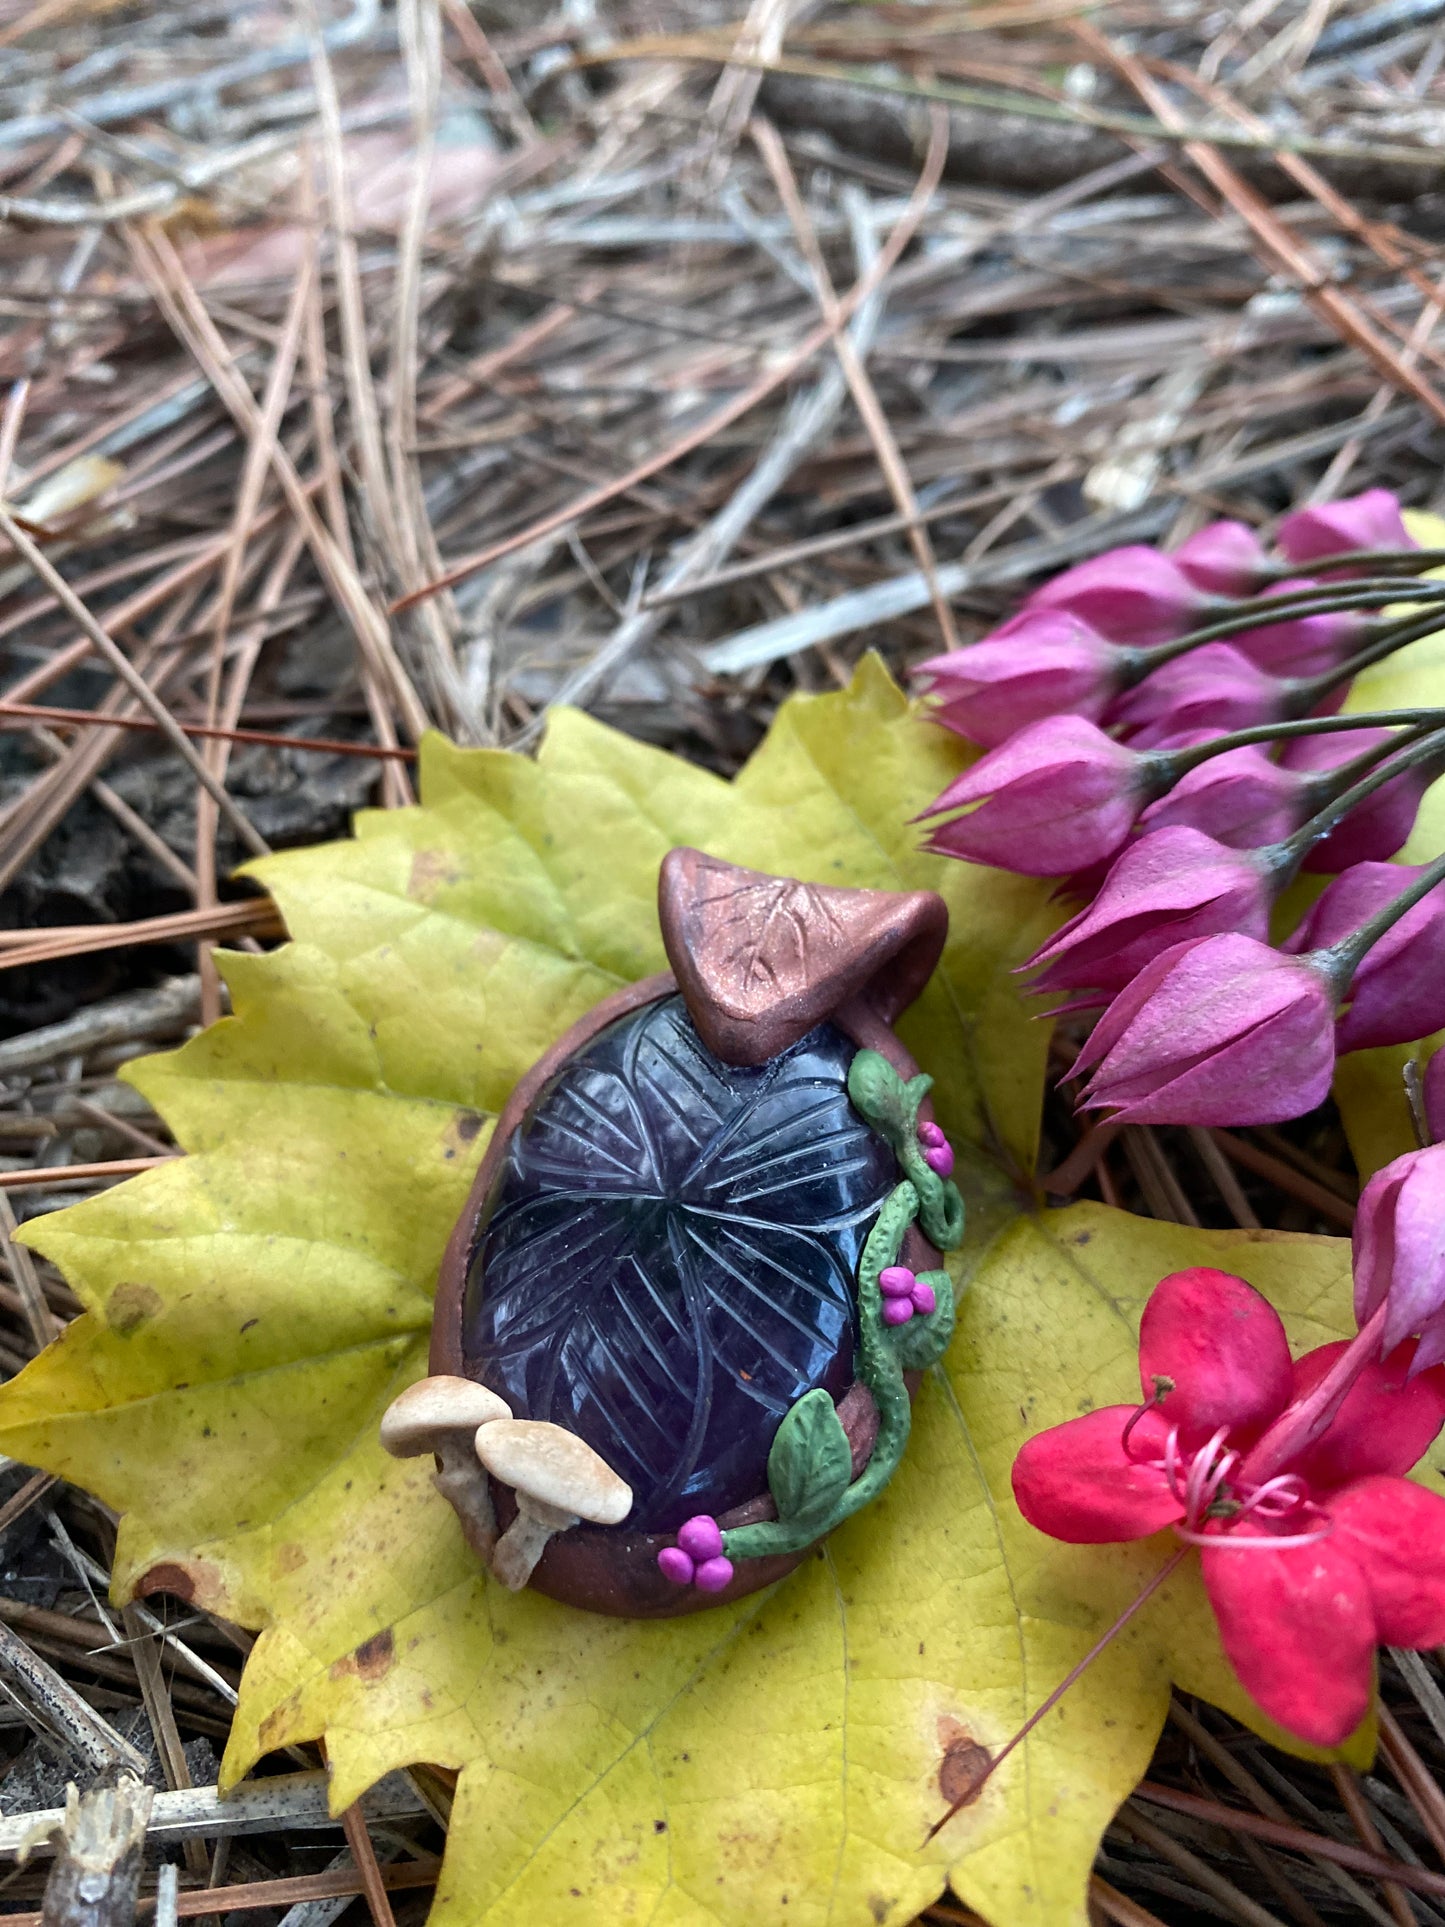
(442, 1415)
(559, 1481)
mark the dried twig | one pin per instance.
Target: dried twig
(97, 1871)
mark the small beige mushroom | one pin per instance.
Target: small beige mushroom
(442, 1415)
(559, 1481)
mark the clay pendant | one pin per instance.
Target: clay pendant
(678, 1320)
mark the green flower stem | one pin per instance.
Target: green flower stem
(1178, 762)
(881, 1372)
(1309, 691)
(1411, 561)
(1341, 960)
(1265, 612)
(1282, 860)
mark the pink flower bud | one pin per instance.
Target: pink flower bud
(939, 1158)
(1368, 521)
(1133, 595)
(1220, 1031)
(1332, 747)
(1301, 645)
(1054, 798)
(1168, 888)
(713, 1575)
(1433, 1093)
(895, 1281)
(674, 1564)
(925, 1299)
(1398, 992)
(1399, 1251)
(1240, 798)
(897, 1311)
(1380, 825)
(930, 1135)
(1225, 559)
(1042, 662)
(1212, 687)
(700, 1537)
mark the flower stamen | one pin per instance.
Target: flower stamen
(1204, 1485)
(1162, 1388)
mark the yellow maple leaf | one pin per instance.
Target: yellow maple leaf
(253, 1307)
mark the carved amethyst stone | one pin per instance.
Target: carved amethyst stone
(665, 1259)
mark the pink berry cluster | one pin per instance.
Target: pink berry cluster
(698, 1558)
(904, 1294)
(937, 1151)
(1110, 709)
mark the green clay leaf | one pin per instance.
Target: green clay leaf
(253, 1307)
(810, 1465)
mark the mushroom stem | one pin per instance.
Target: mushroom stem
(443, 1416)
(515, 1556)
(462, 1482)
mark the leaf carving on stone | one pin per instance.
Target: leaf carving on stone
(761, 959)
(767, 928)
(669, 1257)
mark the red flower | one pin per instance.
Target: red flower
(1308, 1570)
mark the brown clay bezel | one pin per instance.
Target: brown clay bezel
(608, 1569)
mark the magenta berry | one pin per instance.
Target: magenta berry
(897, 1311)
(674, 1564)
(700, 1537)
(939, 1158)
(713, 1574)
(931, 1136)
(924, 1298)
(895, 1281)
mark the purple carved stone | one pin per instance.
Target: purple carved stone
(666, 1260)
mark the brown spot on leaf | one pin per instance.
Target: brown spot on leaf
(431, 871)
(373, 1658)
(197, 1581)
(129, 1306)
(963, 1765)
(462, 1131)
(289, 1556)
(277, 1727)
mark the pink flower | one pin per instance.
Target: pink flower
(1131, 595)
(1240, 798)
(1212, 687)
(1043, 662)
(1220, 1031)
(1301, 645)
(1057, 796)
(1224, 558)
(1399, 1241)
(1310, 1569)
(1368, 521)
(1169, 887)
(1398, 992)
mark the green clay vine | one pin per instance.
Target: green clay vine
(810, 1466)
